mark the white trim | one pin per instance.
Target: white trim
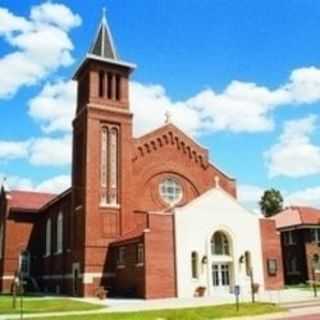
(117, 62)
(7, 277)
(109, 206)
(139, 265)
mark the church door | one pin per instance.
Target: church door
(221, 277)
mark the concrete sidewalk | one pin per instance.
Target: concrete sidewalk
(132, 305)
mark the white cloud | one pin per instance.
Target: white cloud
(306, 197)
(241, 107)
(39, 151)
(56, 14)
(51, 151)
(54, 107)
(250, 194)
(304, 85)
(42, 45)
(294, 155)
(15, 182)
(13, 150)
(11, 23)
(55, 184)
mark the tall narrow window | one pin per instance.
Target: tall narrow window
(122, 251)
(104, 165)
(24, 263)
(48, 237)
(109, 85)
(194, 265)
(101, 84)
(60, 233)
(118, 87)
(140, 254)
(113, 166)
(1, 240)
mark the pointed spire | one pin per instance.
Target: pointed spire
(103, 45)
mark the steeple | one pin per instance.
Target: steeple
(103, 50)
(103, 45)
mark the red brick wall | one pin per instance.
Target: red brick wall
(271, 249)
(168, 158)
(160, 257)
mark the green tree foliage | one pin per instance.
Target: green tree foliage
(271, 202)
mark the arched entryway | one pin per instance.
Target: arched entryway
(222, 268)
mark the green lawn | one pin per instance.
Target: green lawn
(201, 313)
(38, 305)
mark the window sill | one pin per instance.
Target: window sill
(121, 266)
(139, 265)
(109, 206)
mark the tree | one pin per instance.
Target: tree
(271, 202)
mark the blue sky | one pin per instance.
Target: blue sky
(241, 76)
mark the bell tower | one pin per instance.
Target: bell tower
(102, 143)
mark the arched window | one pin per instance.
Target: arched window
(109, 165)
(60, 233)
(104, 165)
(194, 265)
(220, 244)
(1, 240)
(48, 237)
(113, 165)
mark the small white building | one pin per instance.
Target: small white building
(213, 234)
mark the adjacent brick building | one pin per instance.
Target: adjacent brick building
(115, 228)
(300, 240)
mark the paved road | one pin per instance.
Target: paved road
(303, 317)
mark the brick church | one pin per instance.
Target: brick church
(145, 216)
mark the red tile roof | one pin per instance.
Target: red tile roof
(297, 216)
(28, 201)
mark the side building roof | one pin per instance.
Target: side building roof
(28, 201)
(297, 217)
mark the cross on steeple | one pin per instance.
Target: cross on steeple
(104, 15)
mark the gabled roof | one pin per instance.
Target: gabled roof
(28, 201)
(214, 195)
(170, 134)
(297, 217)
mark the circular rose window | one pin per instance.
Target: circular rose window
(171, 191)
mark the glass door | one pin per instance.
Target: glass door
(221, 277)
